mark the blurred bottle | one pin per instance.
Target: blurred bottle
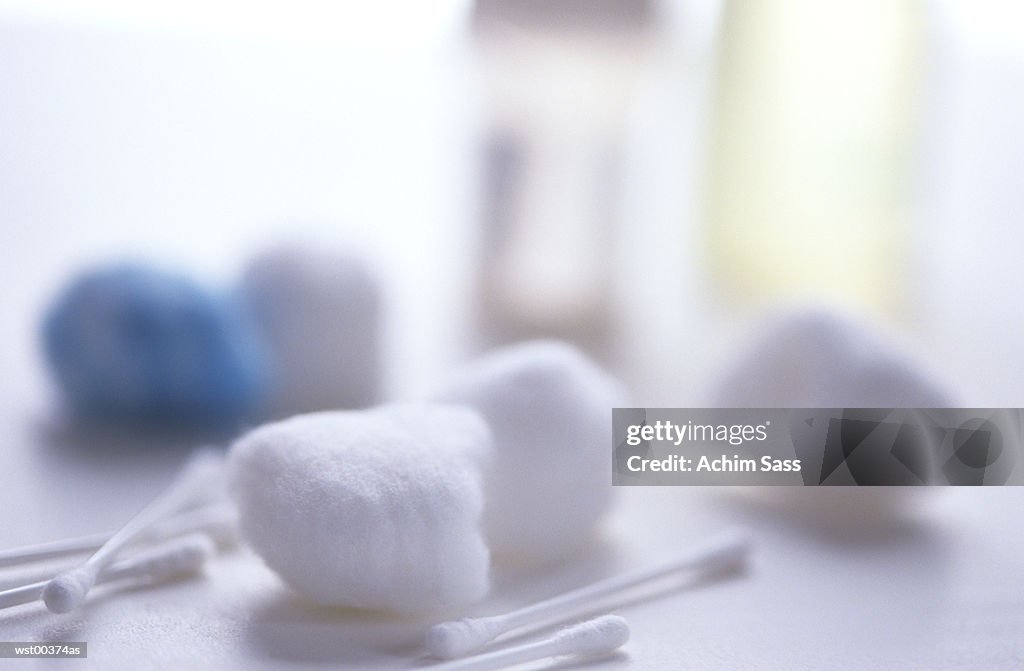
(557, 80)
(815, 121)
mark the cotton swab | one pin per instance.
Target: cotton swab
(459, 638)
(53, 549)
(68, 589)
(600, 636)
(218, 521)
(173, 559)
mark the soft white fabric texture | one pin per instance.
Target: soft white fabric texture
(815, 358)
(319, 312)
(549, 408)
(377, 509)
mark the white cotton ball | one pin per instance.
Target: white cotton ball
(813, 358)
(319, 311)
(445, 426)
(549, 409)
(377, 509)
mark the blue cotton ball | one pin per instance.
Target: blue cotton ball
(137, 344)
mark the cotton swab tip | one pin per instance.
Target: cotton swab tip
(459, 638)
(725, 552)
(176, 558)
(599, 636)
(67, 590)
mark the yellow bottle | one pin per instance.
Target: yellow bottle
(814, 122)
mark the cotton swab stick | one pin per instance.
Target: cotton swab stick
(600, 636)
(459, 638)
(67, 590)
(173, 559)
(218, 521)
(53, 549)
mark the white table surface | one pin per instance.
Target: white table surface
(943, 591)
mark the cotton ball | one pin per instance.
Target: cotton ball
(814, 358)
(376, 509)
(549, 408)
(319, 312)
(134, 343)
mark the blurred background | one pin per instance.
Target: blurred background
(647, 178)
